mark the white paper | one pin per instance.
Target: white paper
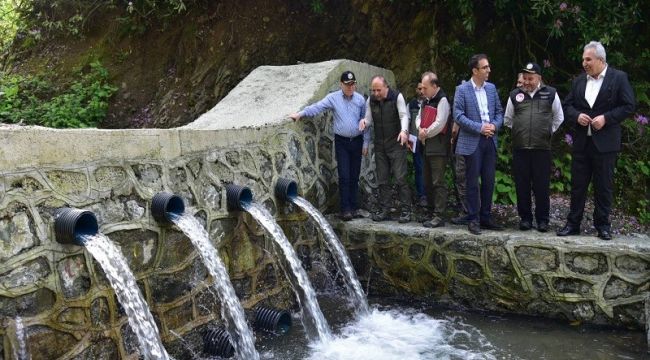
(413, 140)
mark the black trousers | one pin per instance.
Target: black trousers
(348, 165)
(590, 165)
(532, 171)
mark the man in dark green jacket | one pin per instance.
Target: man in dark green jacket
(534, 112)
(386, 109)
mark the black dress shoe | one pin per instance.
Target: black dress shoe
(491, 225)
(605, 234)
(382, 215)
(460, 220)
(525, 225)
(474, 227)
(568, 230)
(542, 227)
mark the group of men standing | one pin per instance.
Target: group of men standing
(599, 100)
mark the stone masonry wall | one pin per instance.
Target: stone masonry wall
(62, 296)
(580, 279)
(57, 296)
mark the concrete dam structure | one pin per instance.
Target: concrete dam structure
(65, 308)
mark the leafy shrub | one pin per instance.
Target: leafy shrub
(35, 100)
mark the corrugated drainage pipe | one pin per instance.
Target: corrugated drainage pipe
(165, 206)
(217, 342)
(238, 197)
(272, 320)
(286, 189)
(71, 225)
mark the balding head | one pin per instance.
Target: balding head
(429, 84)
(378, 88)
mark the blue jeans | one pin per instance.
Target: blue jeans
(418, 164)
(348, 164)
(481, 163)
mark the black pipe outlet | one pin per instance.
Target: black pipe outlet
(165, 206)
(286, 189)
(238, 197)
(272, 320)
(71, 225)
(217, 342)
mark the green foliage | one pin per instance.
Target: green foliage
(317, 6)
(40, 19)
(504, 185)
(9, 22)
(632, 177)
(561, 173)
(36, 100)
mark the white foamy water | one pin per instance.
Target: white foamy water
(341, 258)
(231, 310)
(313, 320)
(128, 294)
(392, 335)
(20, 352)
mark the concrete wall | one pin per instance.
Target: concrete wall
(66, 306)
(580, 279)
(68, 311)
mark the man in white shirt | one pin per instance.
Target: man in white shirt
(435, 139)
(386, 108)
(599, 100)
(534, 112)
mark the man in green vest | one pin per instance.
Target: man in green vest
(386, 109)
(534, 112)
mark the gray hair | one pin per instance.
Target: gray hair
(599, 49)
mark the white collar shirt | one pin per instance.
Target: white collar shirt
(591, 90)
(481, 98)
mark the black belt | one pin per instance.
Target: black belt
(347, 138)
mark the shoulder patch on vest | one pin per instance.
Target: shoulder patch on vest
(519, 97)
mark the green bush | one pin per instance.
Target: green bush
(35, 100)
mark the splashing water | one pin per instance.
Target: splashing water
(341, 258)
(20, 353)
(393, 335)
(313, 320)
(128, 293)
(231, 309)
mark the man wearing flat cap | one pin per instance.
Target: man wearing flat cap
(348, 108)
(534, 112)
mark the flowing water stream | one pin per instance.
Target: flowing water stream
(341, 258)
(313, 320)
(121, 278)
(231, 309)
(20, 352)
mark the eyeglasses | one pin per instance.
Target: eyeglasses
(484, 67)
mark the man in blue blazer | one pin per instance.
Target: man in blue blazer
(599, 100)
(478, 112)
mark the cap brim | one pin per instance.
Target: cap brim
(529, 71)
(350, 82)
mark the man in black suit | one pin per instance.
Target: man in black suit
(599, 100)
